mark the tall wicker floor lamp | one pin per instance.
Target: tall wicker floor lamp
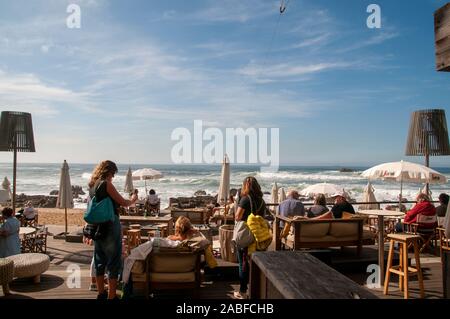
(16, 135)
(428, 135)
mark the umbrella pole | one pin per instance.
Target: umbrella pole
(14, 177)
(400, 197)
(427, 164)
(65, 215)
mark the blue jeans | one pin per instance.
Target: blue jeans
(108, 251)
(244, 270)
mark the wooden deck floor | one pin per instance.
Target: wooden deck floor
(55, 283)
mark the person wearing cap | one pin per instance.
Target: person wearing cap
(341, 205)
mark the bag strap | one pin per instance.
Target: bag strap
(251, 204)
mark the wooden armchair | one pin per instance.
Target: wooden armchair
(40, 240)
(444, 241)
(426, 228)
(168, 269)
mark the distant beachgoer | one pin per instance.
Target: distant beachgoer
(29, 212)
(319, 207)
(108, 250)
(341, 205)
(442, 208)
(251, 196)
(422, 207)
(9, 234)
(291, 206)
(152, 198)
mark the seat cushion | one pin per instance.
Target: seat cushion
(344, 230)
(173, 263)
(172, 277)
(312, 229)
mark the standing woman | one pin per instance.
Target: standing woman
(108, 250)
(9, 234)
(251, 191)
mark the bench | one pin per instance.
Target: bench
(299, 275)
(324, 233)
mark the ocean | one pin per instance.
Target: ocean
(184, 180)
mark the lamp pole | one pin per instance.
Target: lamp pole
(14, 174)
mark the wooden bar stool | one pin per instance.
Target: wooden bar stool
(133, 238)
(403, 270)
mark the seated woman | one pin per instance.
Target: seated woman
(9, 234)
(423, 207)
(319, 207)
(152, 203)
(29, 212)
(185, 231)
(133, 194)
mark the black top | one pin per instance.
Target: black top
(441, 210)
(100, 192)
(338, 209)
(259, 206)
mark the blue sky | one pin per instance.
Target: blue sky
(340, 93)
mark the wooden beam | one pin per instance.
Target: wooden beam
(442, 38)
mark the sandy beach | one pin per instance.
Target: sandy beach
(55, 216)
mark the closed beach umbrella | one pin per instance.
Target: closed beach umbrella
(282, 195)
(322, 188)
(7, 185)
(129, 182)
(404, 172)
(274, 194)
(65, 196)
(369, 196)
(145, 174)
(224, 186)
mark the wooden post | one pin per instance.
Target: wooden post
(442, 38)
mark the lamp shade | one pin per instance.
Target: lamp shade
(428, 135)
(16, 129)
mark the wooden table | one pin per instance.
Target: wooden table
(167, 219)
(381, 214)
(299, 275)
(26, 231)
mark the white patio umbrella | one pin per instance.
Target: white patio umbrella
(322, 188)
(282, 195)
(404, 172)
(145, 174)
(65, 196)
(129, 182)
(369, 196)
(224, 186)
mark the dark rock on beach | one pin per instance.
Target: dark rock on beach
(200, 193)
(76, 191)
(37, 200)
(346, 170)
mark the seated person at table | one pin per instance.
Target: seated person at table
(135, 193)
(152, 198)
(341, 205)
(9, 234)
(319, 207)
(423, 207)
(29, 212)
(292, 206)
(152, 203)
(442, 208)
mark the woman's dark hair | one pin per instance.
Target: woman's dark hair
(152, 192)
(251, 187)
(443, 198)
(7, 212)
